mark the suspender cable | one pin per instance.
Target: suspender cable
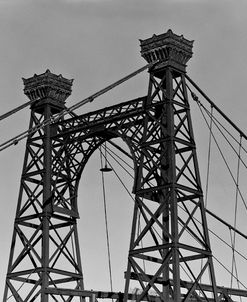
(235, 277)
(224, 159)
(216, 107)
(235, 212)
(153, 230)
(56, 117)
(222, 240)
(234, 263)
(200, 105)
(106, 220)
(112, 154)
(208, 212)
(208, 164)
(219, 126)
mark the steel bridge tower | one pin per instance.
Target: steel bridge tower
(44, 262)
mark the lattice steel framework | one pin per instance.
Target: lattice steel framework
(174, 241)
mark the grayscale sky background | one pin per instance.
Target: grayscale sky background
(95, 42)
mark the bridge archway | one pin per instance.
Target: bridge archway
(119, 203)
(158, 130)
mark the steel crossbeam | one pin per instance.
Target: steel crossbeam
(168, 202)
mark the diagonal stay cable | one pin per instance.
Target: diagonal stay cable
(229, 272)
(112, 154)
(224, 159)
(69, 110)
(227, 244)
(211, 231)
(130, 195)
(236, 231)
(217, 124)
(216, 107)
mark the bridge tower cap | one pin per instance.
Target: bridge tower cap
(48, 86)
(167, 48)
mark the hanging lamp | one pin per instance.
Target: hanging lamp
(105, 168)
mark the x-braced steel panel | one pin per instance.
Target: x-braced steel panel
(173, 239)
(158, 132)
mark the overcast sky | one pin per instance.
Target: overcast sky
(95, 42)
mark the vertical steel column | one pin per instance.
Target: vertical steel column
(44, 235)
(46, 205)
(174, 232)
(172, 203)
(45, 255)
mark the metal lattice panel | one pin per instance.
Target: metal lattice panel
(45, 254)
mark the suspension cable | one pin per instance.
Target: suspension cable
(230, 227)
(129, 193)
(209, 156)
(121, 149)
(9, 113)
(234, 264)
(126, 189)
(235, 210)
(112, 154)
(221, 239)
(218, 124)
(238, 168)
(56, 117)
(106, 220)
(208, 164)
(213, 215)
(216, 121)
(229, 272)
(18, 108)
(223, 157)
(216, 107)
(90, 99)
(207, 210)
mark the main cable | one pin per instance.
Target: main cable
(216, 107)
(9, 113)
(200, 106)
(69, 110)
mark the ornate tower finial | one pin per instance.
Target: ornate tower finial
(48, 87)
(168, 49)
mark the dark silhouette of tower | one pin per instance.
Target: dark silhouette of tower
(41, 252)
(173, 241)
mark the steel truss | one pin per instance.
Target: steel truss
(45, 260)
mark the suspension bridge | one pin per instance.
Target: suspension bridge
(187, 238)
